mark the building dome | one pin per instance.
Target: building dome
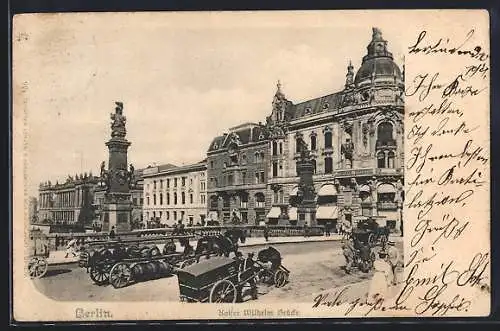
(378, 64)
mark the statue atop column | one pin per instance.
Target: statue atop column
(119, 120)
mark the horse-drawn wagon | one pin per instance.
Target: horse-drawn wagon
(221, 279)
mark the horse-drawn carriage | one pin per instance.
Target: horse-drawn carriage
(222, 279)
(373, 230)
(37, 264)
(358, 250)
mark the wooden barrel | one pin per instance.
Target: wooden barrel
(154, 251)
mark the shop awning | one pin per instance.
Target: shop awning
(327, 212)
(386, 188)
(364, 188)
(275, 212)
(327, 190)
(292, 214)
(294, 191)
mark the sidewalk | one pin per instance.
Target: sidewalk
(58, 257)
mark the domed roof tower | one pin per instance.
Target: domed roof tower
(378, 65)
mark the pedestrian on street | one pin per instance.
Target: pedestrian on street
(266, 232)
(379, 285)
(112, 233)
(348, 251)
(71, 247)
(393, 258)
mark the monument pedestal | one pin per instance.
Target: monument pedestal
(117, 212)
(306, 215)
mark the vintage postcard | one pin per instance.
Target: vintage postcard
(251, 165)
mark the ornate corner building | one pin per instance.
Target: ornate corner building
(356, 141)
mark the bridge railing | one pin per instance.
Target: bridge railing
(59, 241)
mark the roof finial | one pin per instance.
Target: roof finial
(278, 85)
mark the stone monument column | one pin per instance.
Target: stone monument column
(117, 207)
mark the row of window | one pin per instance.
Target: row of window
(260, 201)
(239, 178)
(159, 183)
(160, 214)
(175, 199)
(259, 157)
(385, 159)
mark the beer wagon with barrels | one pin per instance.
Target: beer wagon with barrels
(37, 264)
(121, 263)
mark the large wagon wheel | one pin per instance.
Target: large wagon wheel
(120, 275)
(223, 291)
(37, 267)
(187, 263)
(280, 278)
(99, 274)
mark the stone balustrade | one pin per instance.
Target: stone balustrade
(58, 241)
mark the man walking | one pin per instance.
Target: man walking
(71, 247)
(112, 233)
(393, 257)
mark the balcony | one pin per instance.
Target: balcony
(387, 205)
(385, 144)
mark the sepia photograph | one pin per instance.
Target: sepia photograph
(187, 158)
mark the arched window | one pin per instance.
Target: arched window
(183, 198)
(297, 145)
(328, 165)
(276, 198)
(175, 198)
(381, 159)
(275, 148)
(161, 199)
(313, 142)
(168, 198)
(390, 160)
(154, 199)
(384, 132)
(328, 139)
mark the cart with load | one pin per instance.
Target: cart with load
(123, 262)
(215, 280)
(37, 264)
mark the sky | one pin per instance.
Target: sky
(183, 79)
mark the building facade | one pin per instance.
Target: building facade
(79, 200)
(356, 139)
(172, 194)
(237, 174)
(68, 203)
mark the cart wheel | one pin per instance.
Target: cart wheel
(223, 291)
(37, 267)
(280, 278)
(99, 275)
(120, 275)
(187, 263)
